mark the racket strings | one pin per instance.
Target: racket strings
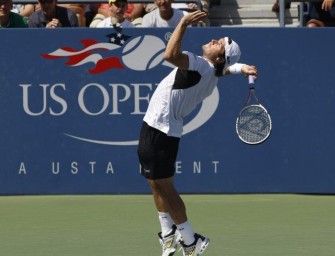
(254, 124)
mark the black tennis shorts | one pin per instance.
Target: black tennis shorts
(157, 153)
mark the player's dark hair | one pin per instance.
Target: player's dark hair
(219, 66)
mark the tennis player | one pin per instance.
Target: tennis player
(193, 79)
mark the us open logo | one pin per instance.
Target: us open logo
(143, 53)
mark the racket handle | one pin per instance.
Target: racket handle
(251, 79)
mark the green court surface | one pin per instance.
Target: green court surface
(124, 225)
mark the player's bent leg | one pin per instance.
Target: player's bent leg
(167, 199)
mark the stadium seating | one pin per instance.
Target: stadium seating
(251, 13)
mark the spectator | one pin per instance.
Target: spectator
(24, 10)
(117, 12)
(193, 7)
(10, 19)
(79, 10)
(275, 7)
(149, 7)
(163, 16)
(103, 12)
(205, 8)
(322, 14)
(91, 11)
(52, 16)
(134, 14)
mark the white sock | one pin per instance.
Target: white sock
(186, 232)
(166, 223)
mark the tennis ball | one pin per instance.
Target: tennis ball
(143, 52)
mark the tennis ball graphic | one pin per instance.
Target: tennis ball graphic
(143, 52)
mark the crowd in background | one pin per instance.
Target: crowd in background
(160, 13)
(50, 14)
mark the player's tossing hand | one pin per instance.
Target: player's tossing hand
(194, 18)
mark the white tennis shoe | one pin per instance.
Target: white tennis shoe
(197, 247)
(170, 242)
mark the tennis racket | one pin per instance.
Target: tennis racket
(253, 124)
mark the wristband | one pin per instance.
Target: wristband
(236, 68)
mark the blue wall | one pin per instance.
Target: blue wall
(70, 128)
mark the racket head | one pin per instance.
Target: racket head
(253, 124)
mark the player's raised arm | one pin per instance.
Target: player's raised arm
(173, 52)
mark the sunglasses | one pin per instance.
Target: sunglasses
(46, 1)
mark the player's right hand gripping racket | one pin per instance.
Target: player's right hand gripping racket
(253, 125)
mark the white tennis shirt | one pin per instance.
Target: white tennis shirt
(178, 94)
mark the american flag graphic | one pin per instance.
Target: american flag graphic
(89, 52)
